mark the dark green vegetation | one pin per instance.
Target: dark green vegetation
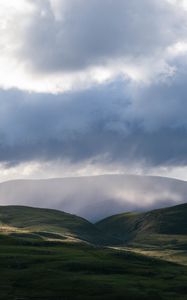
(169, 223)
(48, 223)
(53, 270)
(47, 254)
(160, 233)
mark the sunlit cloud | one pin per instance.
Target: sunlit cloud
(46, 52)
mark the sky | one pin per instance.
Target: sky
(93, 87)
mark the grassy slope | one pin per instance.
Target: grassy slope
(160, 233)
(129, 226)
(35, 266)
(49, 223)
(163, 227)
(64, 271)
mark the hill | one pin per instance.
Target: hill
(159, 227)
(95, 197)
(43, 255)
(32, 222)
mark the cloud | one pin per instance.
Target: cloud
(89, 33)
(58, 45)
(162, 104)
(123, 66)
(115, 123)
(67, 125)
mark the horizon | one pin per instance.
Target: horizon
(96, 175)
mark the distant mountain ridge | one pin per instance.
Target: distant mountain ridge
(95, 197)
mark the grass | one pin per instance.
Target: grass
(29, 219)
(166, 226)
(56, 270)
(46, 254)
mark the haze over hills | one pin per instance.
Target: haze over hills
(95, 197)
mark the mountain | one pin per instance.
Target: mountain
(161, 226)
(95, 197)
(20, 221)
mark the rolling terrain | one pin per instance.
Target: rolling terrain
(133, 226)
(160, 233)
(47, 254)
(49, 224)
(63, 271)
(160, 227)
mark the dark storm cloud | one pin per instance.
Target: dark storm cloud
(73, 35)
(107, 122)
(67, 125)
(163, 104)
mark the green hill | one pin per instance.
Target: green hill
(21, 221)
(44, 254)
(161, 226)
(38, 262)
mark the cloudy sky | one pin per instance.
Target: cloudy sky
(93, 87)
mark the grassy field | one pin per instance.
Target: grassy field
(47, 254)
(37, 269)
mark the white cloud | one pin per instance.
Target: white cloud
(92, 167)
(57, 45)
